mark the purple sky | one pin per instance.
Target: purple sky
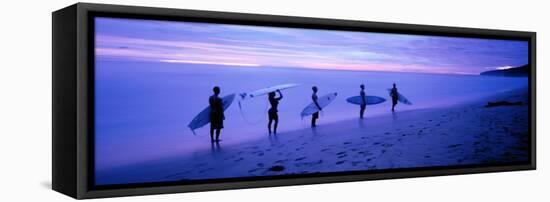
(255, 46)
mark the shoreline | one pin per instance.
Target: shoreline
(411, 138)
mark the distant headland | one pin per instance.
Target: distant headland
(521, 71)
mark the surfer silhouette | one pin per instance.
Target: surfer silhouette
(272, 113)
(315, 115)
(394, 97)
(364, 99)
(216, 114)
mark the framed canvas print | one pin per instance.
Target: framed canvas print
(154, 100)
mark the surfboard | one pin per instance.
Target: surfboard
(322, 101)
(401, 98)
(203, 117)
(267, 90)
(370, 100)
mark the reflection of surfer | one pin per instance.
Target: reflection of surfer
(273, 116)
(315, 115)
(216, 114)
(364, 101)
(215, 147)
(394, 96)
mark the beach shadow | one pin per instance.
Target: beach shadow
(46, 184)
(314, 131)
(273, 139)
(215, 148)
(394, 116)
(361, 123)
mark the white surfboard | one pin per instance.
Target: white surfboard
(322, 101)
(370, 100)
(267, 90)
(203, 117)
(401, 98)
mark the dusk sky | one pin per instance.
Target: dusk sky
(257, 47)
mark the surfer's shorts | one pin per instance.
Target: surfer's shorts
(216, 121)
(315, 115)
(273, 114)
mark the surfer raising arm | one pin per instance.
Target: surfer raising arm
(364, 101)
(315, 115)
(272, 113)
(216, 114)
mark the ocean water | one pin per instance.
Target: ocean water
(142, 108)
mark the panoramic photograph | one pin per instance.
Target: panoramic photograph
(189, 101)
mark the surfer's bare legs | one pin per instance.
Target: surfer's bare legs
(274, 118)
(218, 131)
(212, 134)
(269, 125)
(314, 118)
(362, 111)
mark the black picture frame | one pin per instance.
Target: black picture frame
(73, 101)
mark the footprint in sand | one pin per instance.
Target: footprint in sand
(239, 159)
(340, 162)
(276, 168)
(299, 159)
(346, 143)
(454, 145)
(281, 161)
(324, 150)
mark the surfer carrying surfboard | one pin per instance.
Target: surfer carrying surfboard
(216, 114)
(315, 115)
(394, 97)
(272, 112)
(364, 99)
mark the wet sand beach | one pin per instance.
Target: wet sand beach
(464, 134)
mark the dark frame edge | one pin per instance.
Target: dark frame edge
(297, 181)
(533, 98)
(81, 182)
(64, 145)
